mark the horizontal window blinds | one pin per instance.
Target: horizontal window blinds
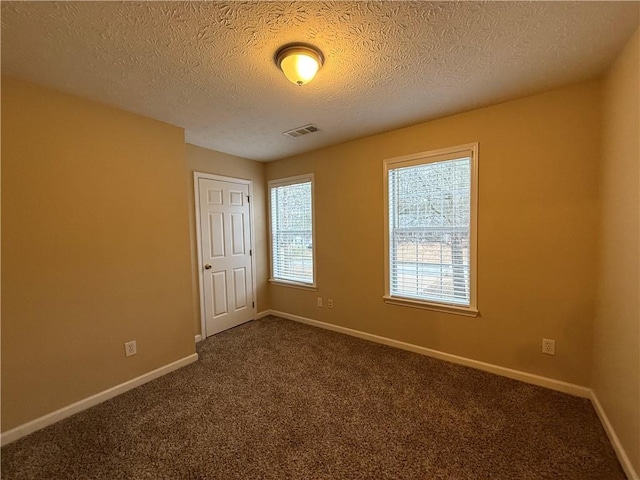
(292, 232)
(429, 231)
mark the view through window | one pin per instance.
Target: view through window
(430, 229)
(291, 205)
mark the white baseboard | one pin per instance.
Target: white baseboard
(613, 438)
(53, 417)
(551, 383)
(198, 338)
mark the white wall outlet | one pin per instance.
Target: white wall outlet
(330, 302)
(130, 348)
(548, 346)
(319, 302)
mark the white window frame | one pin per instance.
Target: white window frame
(282, 182)
(432, 156)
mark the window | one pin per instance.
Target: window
(430, 230)
(292, 245)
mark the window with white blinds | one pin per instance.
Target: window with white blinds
(430, 229)
(291, 222)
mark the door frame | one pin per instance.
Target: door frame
(196, 189)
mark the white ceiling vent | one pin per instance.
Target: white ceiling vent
(297, 132)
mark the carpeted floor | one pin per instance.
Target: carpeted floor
(274, 399)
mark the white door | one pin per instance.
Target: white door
(227, 283)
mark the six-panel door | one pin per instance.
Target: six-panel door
(226, 259)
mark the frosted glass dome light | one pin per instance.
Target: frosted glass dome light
(299, 63)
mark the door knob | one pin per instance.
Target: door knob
(207, 267)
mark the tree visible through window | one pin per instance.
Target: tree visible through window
(291, 208)
(430, 228)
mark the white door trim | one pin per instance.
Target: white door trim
(196, 188)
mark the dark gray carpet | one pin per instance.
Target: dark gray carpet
(274, 399)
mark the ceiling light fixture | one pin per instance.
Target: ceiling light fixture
(299, 62)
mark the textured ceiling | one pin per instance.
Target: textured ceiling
(208, 66)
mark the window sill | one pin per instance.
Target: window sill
(437, 307)
(301, 286)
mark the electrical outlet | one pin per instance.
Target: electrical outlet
(319, 302)
(130, 348)
(548, 346)
(330, 302)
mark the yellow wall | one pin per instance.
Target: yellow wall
(209, 161)
(536, 237)
(616, 361)
(95, 249)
